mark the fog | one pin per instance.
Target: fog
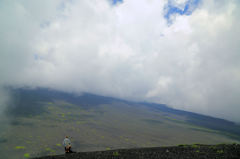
(128, 50)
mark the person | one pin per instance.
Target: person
(67, 145)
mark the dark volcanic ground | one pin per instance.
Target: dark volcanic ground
(178, 152)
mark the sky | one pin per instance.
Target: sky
(183, 53)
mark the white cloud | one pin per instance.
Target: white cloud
(126, 51)
(179, 3)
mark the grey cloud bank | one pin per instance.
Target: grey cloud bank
(127, 51)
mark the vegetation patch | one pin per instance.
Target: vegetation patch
(19, 147)
(115, 153)
(26, 155)
(50, 150)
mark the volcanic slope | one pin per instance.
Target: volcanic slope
(37, 120)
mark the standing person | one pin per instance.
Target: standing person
(67, 145)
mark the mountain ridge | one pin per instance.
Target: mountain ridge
(88, 99)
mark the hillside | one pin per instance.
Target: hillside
(36, 122)
(178, 152)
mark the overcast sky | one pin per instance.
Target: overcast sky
(184, 53)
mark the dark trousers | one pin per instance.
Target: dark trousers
(68, 150)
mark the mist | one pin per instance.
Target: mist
(128, 50)
(3, 100)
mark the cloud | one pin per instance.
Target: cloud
(127, 51)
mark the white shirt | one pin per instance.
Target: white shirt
(66, 142)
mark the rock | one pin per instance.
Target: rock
(176, 152)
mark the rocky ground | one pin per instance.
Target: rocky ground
(196, 151)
